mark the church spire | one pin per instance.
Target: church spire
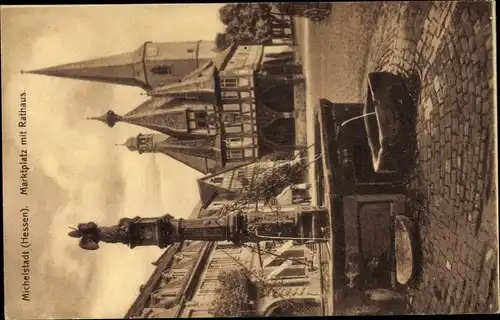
(152, 65)
(117, 69)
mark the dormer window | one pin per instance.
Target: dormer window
(163, 70)
(217, 180)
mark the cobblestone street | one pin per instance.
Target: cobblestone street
(445, 52)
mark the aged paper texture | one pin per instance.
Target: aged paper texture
(251, 159)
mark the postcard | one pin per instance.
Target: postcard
(249, 159)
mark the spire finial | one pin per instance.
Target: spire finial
(132, 144)
(109, 118)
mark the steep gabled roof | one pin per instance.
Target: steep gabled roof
(207, 190)
(151, 104)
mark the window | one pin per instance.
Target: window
(228, 95)
(234, 154)
(228, 83)
(231, 117)
(200, 119)
(293, 272)
(167, 293)
(178, 274)
(234, 142)
(227, 246)
(217, 180)
(241, 175)
(162, 70)
(209, 277)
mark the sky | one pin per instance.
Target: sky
(77, 174)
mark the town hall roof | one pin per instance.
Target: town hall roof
(202, 155)
(156, 115)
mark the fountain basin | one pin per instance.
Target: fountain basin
(386, 104)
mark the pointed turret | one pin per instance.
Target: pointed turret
(200, 154)
(151, 65)
(176, 117)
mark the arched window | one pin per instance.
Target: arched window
(162, 70)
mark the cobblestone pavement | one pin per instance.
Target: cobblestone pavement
(445, 52)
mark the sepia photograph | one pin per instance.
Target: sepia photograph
(253, 159)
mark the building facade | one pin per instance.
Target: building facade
(186, 288)
(217, 109)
